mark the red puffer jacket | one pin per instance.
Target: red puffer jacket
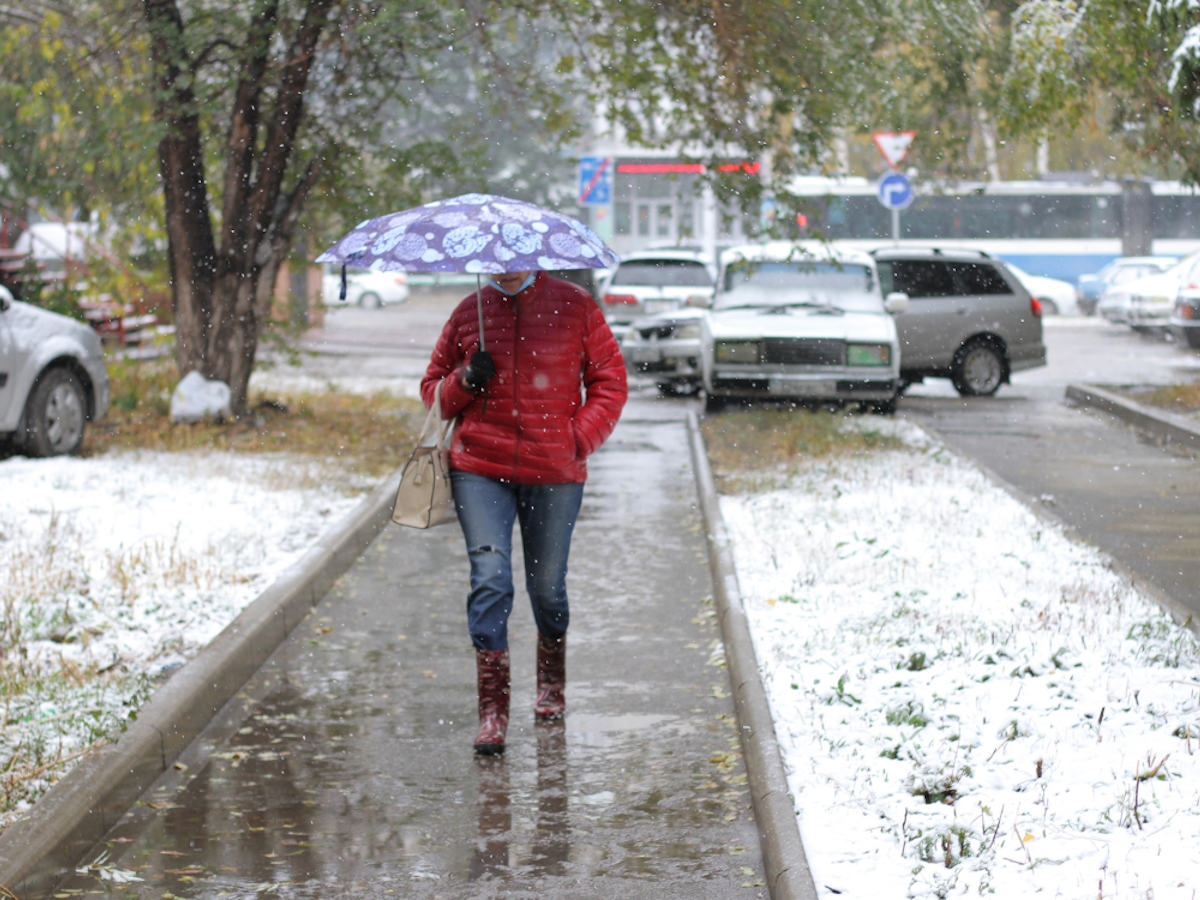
(558, 391)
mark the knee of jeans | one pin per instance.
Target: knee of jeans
(488, 561)
(547, 594)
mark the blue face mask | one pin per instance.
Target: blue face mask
(524, 284)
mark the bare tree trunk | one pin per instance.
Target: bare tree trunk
(191, 249)
(987, 136)
(222, 294)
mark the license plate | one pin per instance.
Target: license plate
(657, 306)
(787, 387)
(642, 354)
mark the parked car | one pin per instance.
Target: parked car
(1184, 323)
(1152, 299)
(364, 287)
(652, 282)
(968, 319)
(667, 348)
(1119, 271)
(1146, 303)
(1056, 296)
(804, 323)
(52, 378)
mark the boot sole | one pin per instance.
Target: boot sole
(489, 749)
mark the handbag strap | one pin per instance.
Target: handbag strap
(435, 432)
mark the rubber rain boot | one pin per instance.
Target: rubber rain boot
(491, 667)
(551, 700)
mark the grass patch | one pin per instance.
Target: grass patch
(1181, 398)
(371, 435)
(752, 449)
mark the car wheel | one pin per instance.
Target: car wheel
(677, 388)
(714, 404)
(978, 369)
(370, 300)
(54, 415)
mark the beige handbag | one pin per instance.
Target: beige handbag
(424, 498)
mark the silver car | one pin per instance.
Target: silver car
(969, 318)
(652, 282)
(52, 378)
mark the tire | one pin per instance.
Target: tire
(676, 388)
(55, 415)
(370, 300)
(978, 369)
(714, 404)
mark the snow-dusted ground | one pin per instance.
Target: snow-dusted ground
(968, 701)
(126, 565)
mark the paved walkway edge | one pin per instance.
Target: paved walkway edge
(67, 822)
(1164, 425)
(786, 865)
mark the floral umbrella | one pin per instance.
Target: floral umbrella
(476, 233)
(482, 234)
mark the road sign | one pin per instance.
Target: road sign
(893, 145)
(595, 180)
(894, 191)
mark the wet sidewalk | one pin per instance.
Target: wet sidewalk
(344, 767)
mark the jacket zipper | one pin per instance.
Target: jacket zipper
(516, 308)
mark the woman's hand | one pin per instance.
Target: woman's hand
(479, 371)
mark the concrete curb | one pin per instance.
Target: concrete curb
(79, 809)
(1166, 426)
(786, 865)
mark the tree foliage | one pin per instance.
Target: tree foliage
(1130, 69)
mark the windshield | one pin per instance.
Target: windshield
(662, 273)
(845, 286)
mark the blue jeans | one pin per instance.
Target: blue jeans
(487, 509)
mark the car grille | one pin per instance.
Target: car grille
(803, 352)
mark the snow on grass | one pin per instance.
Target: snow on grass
(969, 702)
(116, 569)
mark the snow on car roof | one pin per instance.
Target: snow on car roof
(793, 250)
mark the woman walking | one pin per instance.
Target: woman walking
(537, 393)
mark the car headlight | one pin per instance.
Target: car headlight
(736, 351)
(687, 332)
(868, 355)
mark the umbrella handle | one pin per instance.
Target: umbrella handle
(479, 307)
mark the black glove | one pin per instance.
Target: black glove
(480, 370)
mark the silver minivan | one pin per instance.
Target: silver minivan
(968, 318)
(53, 378)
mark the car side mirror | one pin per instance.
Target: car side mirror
(896, 302)
(704, 301)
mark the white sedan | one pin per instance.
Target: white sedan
(364, 287)
(802, 323)
(1057, 297)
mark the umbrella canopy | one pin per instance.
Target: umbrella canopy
(482, 234)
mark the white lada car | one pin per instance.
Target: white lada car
(803, 323)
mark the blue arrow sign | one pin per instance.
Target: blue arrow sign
(894, 191)
(595, 179)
